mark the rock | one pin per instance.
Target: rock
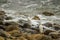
(10, 39)
(15, 33)
(1, 22)
(36, 18)
(7, 23)
(2, 27)
(9, 26)
(48, 13)
(21, 38)
(1, 38)
(35, 37)
(55, 35)
(48, 24)
(56, 26)
(2, 13)
(45, 37)
(8, 18)
(22, 22)
(48, 28)
(2, 17)
(47, 32)
(26, 25)
(4, 33)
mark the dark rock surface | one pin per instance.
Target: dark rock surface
(15, 31)
(47, 14)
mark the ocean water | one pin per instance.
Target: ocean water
(31, 7)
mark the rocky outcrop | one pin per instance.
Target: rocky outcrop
(28, 29)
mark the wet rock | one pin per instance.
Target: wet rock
(48, 14)
(48, 24)
(1, 38)
(48, 31)
(56, 26)
(1, 22)
(8, 18)
(55, 35)
(4, 33)
(2, 17)
(35, 37)
(23, 22)
(21, 38)
(2, 27)
(32, 31)
(10, 39)
(9, 26)
(26, 25)
(15, 33)
(36, 18)
(45, 37)
(2, 13)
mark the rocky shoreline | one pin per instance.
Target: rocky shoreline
(28, 28)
